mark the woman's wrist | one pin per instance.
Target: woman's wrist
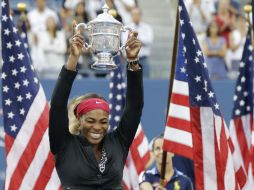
(72, 62)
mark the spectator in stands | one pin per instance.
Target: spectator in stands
(215, 48)
(124, 8)
(200, 16)
(94, 159)
(53, 45)
(174, 179)
(145, 36)
(236, 44)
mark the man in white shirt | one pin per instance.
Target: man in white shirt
(38, 16)
(145, 36)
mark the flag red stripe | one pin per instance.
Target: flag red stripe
(241, 138)
(241, 177)
(198, 148)
(29, 153)
(181, 149)
(9, 140)
(178, 124)
(45, 173)
(180, 99)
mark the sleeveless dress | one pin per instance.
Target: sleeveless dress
(216, 64)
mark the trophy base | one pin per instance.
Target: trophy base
(105, 62)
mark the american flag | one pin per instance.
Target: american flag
(30, 165)
(252, 141)
(139, 153)
(195, 127)
(242, 118)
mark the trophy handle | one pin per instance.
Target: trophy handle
(83, 27)
(125, 29)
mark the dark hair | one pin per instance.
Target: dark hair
(208, 34)
(161, 136)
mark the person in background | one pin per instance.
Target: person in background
(53, 45)
(237, 39)
(174, 179)
(215, 48)
(200, 16)
(145, 36)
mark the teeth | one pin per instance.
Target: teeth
(95, 135)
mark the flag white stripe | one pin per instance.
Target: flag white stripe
(247, 129)
(178, 111)
(229, 178)
(36, 165)
(133, 174)
(143, 147)
(178, 136)
(181, 87)
(218, 126)
(54, 182)
(24, 135)
(209, 164)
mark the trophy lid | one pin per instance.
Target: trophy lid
(105, 17)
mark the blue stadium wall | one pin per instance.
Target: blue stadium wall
(154, 112)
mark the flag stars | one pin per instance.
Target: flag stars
(119, 86)
(28, 96)
(211, 94)
(14, 72)
(110, 95)
(198, 98)
(118, 96)
(248, 108)
(238, 88)
(17, 43)
(245, 93)
(11, 59)
(183, 36)
(205, 65)
(17, 85)
(10, 115)
(7, 32)
(183, 70)
(25, 82)
(36, 80)
(118, 108)
(9, 45)
(250, 58)
(181, 22)
(199, 53)
(117, 118)
(6, 89)
(20, 56)
(180, 8)
(237, 112)
(196, 59)
(197, 78)
(242, 64)
(8, 102)
(23, 69)
(250, 48)
(184, 49)
(13, 128)
(4, 18)
(3, 76)
(243, 79)
(242, 103)
(217, 107)
(15, 30)
(22, 111)
(19, 98)
(3, 4)
(111, 85)
(235, 97)
(194, 41)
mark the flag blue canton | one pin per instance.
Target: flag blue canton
(19, 80)
(243, 98)
(191, 65)
(116, 95)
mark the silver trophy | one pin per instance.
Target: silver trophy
(104, 39)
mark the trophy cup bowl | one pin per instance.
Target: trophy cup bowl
(104, 39)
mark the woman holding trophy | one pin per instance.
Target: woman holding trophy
(94, 159)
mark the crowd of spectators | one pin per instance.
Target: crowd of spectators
(49, 31)
(221, 28)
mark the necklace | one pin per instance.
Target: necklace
(103, 160)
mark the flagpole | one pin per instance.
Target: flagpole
(248, 9)
(171, 80)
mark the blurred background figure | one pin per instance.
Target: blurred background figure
(146, 36)
(200, 14)
(53, 46)
(237, 39)
(174, 179)
(215, 48)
